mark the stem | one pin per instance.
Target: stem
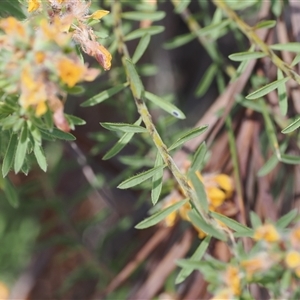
(255, 39)
(146, 117)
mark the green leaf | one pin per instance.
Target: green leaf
(265, 24)
(181, 6)
(75, 120)
(10, 193)
(197, 256)
(266, 89)
(134, 79)
(9, 154)
(152, 30)
(293, 126)
(124, 127)
(141, 16)
(198, 159)
(122, 142)
(206, 80)
(179, 41)
(268, 166)
(234, 225)
(167, 106)
(290, 159)
(21, 149)
(292, 47)
(296, 60)
(242, 56)
(255, 220)
(282, 94)
(104, 95)
(139, 178)
(285, 220)
(59, 134)
(141, 48)
(213, 28)
(200, 190)
(197, 221)
(157, 180)
(40, 157)
(11, 8)
(188, 136)
(159, 216)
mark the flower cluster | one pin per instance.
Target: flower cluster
(218, 187)
(38, 64)
(75, 19)
(276, 256)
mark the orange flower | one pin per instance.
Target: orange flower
(70, 72)
(267, 232)
(12, 26)
(33, 5)
(232, 279)
(259, 263)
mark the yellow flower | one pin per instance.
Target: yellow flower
(215, 196)
(267, 232)
(260, 263)
(4, 292)
(170, 220)
(232, 279)
(224, 294)
(70, 72)
(41, 108)
(33, 5)
(33, 91)
(40, 57)
(292, 259)
(12, 26)
(99, 14)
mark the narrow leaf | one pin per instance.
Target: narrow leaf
(139, 178)
(152, 30)
(265, 24)
(167, 106)
(285, 220)
(198, 159)
(197, 256)
(206, 80)
(104, 95)
(268, 166)
(157, 180)
(266, 89)
(292, 47)
(58, 134)
(141, 48)
(200, 190)
(40, 157)
(124, 127)
(234, 225)
(122, 142)
(211, 29)
(181, 6)
(208, 229)
(134, 79)
(293, 126)
(255, 220)
(140, 16)
(242, 56)
(9, 154)
(21, 149)
(188, 136)
(10, 193)
(179, 41)
(282, 94)
(159, 216)
(290, 159)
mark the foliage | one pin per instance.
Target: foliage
(44, 57)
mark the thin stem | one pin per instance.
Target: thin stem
(255, 39)
(146, 117)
